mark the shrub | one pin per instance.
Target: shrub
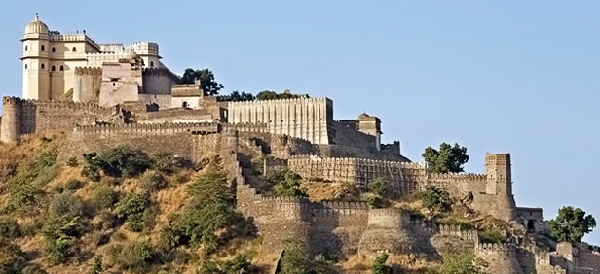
(72, 162)
(65, 205)
(163, 162)
(104, 197)
(117, 162)
(73, 184)
(136, 256)
(97, 266)
(375, 201)
(295, 259)
(208, 267)
(33, 269)
(9, 228)
(435, 199)
(60, 234)
(378, 186)
(239, 264)
(464, 263)
(379, 266)
(12, 258)
(492, 237)
(153, 180)
(132, 208)
(290, 185)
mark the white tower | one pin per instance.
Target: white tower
(36, 62)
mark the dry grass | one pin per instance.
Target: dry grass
(331, 191)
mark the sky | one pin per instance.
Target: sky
(518, 77)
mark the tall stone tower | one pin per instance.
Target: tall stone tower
(36, 60)
(11, 123)
(370, 125)
(499, 185)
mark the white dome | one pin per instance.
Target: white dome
(36, 26)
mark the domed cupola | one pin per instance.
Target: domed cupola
(36, 28)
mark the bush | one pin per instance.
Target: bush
(61, 236)
(491, 237)
(163, 162)
(12, 258)
(379, 266)
(65, 205)
(33, 269)
(9, 228)
(373, 200)
(133, 208)
(72, 162)
(378, 186)
(153, 180)
(73, 184)
(295, 259)
(290, 185)
(104, 197)
(239, 264)
(464, 263)
(26, 187)
(121, 161)
(136, 256)
(435, 199)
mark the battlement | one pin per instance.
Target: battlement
(281, 101)
(144, 48)
(94, 71)
(51, 104)
(246, 127)
(73, 38)
(457, 231)
(468, 177)
(163, 128)
(487, 249)
(11, 100)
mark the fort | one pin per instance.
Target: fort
(126, 95)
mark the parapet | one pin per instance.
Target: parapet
(11, 100)
(487, 248)
(245, 127)
(157, 129)
(94, 71)
(467, 177)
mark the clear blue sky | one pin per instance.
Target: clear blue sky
(517, 77)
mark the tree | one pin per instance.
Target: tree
(447, 159)
(435, 199)
(237, 96)
(571, 224)
(465, 263)
(295, 259)
(378, 186)
(206, 77)
(290, 185)
(272, 95)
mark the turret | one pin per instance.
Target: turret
(36, 61)
(11, 122)
(372, 126)
(498, 183)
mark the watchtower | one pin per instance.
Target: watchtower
(36, 60)
(499, 184)
(11, 123)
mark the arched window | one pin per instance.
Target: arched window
(25, 47)
(53, 49)
(43, 48)
(43, 66)
(61, 68)
(184, 105)
(25, 66)
(53, 68)
(151, 64)
(74, 49)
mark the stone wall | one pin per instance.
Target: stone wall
(345, 134)
(86, 86)
(158, 80)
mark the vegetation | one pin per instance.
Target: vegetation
(134, 208)
(571, 225)
(153, 180)
(163, 162)
(465, 263)
(447, 159)
(12, 259)
(116, 162)
(272, 95)
(237, 96)
(290, 185)
(378, 186)
(104, 197)
(491, 237)
(210, 207)
(379, 266)
(135, 256)
(295, 259)
(9, 228)
(435, 199)
(206, 77)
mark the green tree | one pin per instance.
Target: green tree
(378, 186)
(295, 259)
(206, 77)
(571, 224)
(237, 96)
(379, 266)
(290, 185)
(134, 208)
(272, 95)
(435, 199)
(447, 159)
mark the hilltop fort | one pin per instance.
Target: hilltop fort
(103, 95)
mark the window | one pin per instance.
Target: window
(25, 47)
(184, 105)
(61, 68)
(53, 68)
(43, 66)
(53, 49)
(43, 48)
(151, 64)
(25, 66)
(74, 49)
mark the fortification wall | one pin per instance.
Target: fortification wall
(501, 258)
(86, 85)
(34, 116)
(345, 135)
(350, 151)
(158, 80)
(306, 118)
(588, 258)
